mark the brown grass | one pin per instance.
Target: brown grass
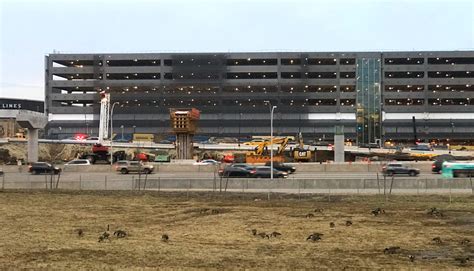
(38, 231)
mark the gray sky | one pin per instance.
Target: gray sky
(31, 29)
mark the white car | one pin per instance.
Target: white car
(92, 139)
(206, 162)
(78, 162)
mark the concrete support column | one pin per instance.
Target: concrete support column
(339, 145)
(32, 145)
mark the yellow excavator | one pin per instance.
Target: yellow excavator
(261, 153)
(300, 154)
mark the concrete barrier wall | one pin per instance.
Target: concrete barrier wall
(262, 185)
(300, 167)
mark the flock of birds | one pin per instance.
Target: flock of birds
(105, 236)
(313, 237)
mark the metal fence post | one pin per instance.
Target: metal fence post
(470, 179)
(450, 197)
(418, 186)
(80, 181)
(378, 182)
(299, 189)
(133, 182)
(3, 181)
(159, 184)
(105, 182)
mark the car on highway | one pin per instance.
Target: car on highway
(243, 165)
(422, 148)
(437, 165)
(78, 162)
(126, 167)
(392, 169)
(265, 172)
(43, 167)
(282, 167)
(94, 139)
(206, 162)
(230, 171)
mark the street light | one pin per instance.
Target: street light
(112, 132)
(272, 108)
(121, 127)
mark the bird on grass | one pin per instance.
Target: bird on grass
(104, 236)
(391, 250)
(80, 232)
(120, 234)
(165, 238)
(348, 223)
(263, 235)
(318, 210)
(435, 212)
(412, 258)
(254, 232)
(462, 260)
(275, 234)
(332, 225)
(377, 211)
(310, 215)
(465, 241)
(314, 237)
(437, 240)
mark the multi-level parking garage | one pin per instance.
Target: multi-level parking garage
(375, 95)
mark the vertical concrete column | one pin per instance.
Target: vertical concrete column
(32, 145)
(339, 145)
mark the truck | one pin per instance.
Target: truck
(101, 153)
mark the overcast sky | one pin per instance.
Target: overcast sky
(31, 29)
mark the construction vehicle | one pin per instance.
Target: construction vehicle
(101, 153)
(261, 153)
(300, 154)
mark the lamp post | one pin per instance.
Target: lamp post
(271, 141)
(121, 127)
(272, 108)
(112, 132)
(240, 119)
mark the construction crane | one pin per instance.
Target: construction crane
(259, 154)
(104, 116)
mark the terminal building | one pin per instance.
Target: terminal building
(376, 96)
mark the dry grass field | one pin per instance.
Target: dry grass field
(211, 231)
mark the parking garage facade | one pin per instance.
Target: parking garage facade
(376, 96)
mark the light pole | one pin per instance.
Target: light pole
(272, 108)
(112, 132)
(271, 141)
(121, 127)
